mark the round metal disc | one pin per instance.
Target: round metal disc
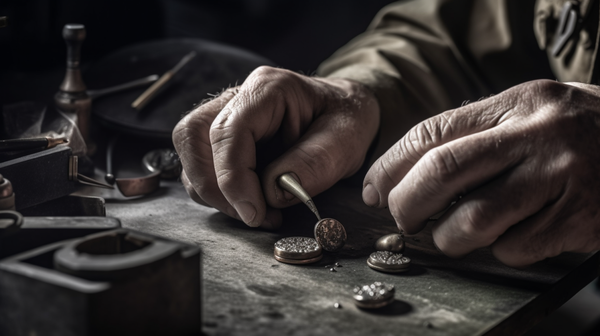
(388, 262)
(297, 261)
(165, 161)
(330, 234)
(375, 295)
(391, 242)
(297, 248)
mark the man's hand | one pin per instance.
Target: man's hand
(323, 127)
(526, 163)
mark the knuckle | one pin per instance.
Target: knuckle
(226, 182)
(265, 71)
(192, 131)
(424, 136)
(440, 165)
(475, 224)
(319, 163)
(272, 80)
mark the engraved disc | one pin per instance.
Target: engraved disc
(375, 295)
(298, 248)
(330, 234)
(386, 261)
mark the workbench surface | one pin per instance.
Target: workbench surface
(247, 292)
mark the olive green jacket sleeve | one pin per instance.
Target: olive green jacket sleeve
(422, 57)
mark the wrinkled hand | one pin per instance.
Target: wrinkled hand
(526, 163)
(323, 126)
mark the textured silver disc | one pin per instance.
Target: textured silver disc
(375, 295)
(386, 261)
(330, 234)
(298, 248)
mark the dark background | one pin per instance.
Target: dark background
(295, 34)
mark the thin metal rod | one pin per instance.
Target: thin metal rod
(288, 183)
(93, 94)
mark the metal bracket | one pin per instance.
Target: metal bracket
(74, 175)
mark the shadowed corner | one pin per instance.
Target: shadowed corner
(396, 308)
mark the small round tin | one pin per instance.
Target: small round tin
(389, 262)
(298, 250)
(375, 295)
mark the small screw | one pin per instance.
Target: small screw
(332, 270)
(337, 305)
(338, 265)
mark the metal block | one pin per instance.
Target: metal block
(71, 205)
(40, 231)
(119, 282)
(39, 177)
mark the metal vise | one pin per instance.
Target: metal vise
(118, 282)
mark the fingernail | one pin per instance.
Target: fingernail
(246, 210)
(370, 196)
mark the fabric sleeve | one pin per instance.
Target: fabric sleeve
(422, 57)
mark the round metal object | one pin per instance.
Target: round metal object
(297, 248)
(299, 261)
(375, 295)
(386, 261)
(6, 188)
(165, 161)
(8, 203)
(10, 222)
(392, 242)
(330, 234)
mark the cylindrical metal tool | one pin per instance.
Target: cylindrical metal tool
(288, 183)
(72, 97)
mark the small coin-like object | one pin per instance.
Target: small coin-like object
(303, 249)
(299, 261)
(386, 261)
(330, 234)
(375, 295)
(392, 242)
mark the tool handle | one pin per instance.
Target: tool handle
(14, 145)
(74, 35)
(152, 91)
(289, 183)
